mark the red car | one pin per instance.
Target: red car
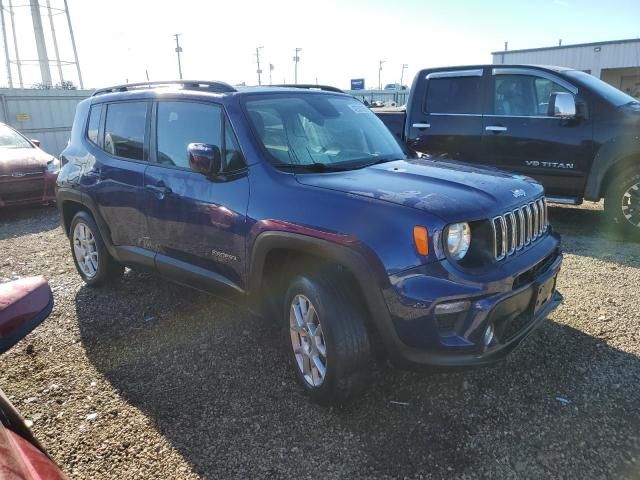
(27, 173)
(24, 304)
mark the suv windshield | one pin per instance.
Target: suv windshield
(319, 130)
(9, 138)
(609, 92)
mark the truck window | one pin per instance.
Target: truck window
(453, 95)
(523, 95)
(182, 123)
(124, 129)
(94, 123)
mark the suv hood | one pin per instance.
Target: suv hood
(453, 191)
(22, 159)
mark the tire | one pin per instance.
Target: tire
(622, 203)
(93, 272)
(345, 339)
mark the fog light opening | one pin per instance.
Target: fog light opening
(488, 335)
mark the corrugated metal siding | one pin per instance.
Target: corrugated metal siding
(43, 114)
(586, 57)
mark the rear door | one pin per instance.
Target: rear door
(116, 138)
(521, 136)
(449, 119)
(197, 224)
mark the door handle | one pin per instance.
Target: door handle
(421, 125)
(495, 128)
(158, 190)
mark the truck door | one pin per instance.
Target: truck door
(448, 120)
(197, 224)
(521, 136)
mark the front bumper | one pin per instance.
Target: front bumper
(32, 188)
(510, 308)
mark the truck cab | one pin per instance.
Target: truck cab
(575, 134)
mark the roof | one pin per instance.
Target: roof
(575, 45)
(553, 68)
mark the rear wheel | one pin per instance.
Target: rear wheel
(327, 338)
(90, 255)
(622, 203)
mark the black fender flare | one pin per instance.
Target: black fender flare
(607, 158)
(75, 196)
(365, 272)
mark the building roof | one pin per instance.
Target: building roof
(575, 45)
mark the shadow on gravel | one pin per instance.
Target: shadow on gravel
(214, 380)
(27, 220)
(585, 233)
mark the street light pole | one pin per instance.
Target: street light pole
(380, 74)
(271, 68)
(404, 65)
(296, 59)
(178, 51)
(259, 71)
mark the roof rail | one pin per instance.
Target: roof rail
(309, 86)
(213, 86)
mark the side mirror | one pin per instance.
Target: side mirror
(24, 304)
(204, 158)
(562, 105)
(35, 142)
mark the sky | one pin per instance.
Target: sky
(122, 40)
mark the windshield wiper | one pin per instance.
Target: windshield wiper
(310, 167)
(378, 162)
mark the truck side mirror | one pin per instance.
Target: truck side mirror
(562, 105)
(204, 158)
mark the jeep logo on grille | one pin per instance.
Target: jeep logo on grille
(18, 174)
(519, 193)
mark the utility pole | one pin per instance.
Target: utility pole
(380, 74)
(271, 69)
(41, 46)
(178, 51)
(296, 59)
(259, 71)
(404, 66)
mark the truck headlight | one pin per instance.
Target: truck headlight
(458, 239)
(53, 166)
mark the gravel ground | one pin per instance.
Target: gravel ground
(145, 379)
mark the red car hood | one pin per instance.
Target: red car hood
(22, 159)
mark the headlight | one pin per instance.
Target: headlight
(458, 239)
(53, 166)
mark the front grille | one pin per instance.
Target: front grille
(519, 228)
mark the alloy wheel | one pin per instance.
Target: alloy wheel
(85, 249)
(631, 204)
(307, 340)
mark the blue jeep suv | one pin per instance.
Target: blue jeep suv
(302, 201)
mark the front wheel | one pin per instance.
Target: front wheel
(327, 338)
(622, 203)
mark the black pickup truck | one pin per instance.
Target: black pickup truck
(577, 135)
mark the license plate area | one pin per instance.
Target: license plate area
(545, 293)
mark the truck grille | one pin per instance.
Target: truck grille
(519, 228)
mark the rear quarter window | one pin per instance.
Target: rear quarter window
(93, 127)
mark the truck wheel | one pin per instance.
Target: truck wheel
(327, 339)
(92, 259)
(622, 203)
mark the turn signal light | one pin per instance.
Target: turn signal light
(421, 239)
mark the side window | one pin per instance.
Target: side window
(94, 123)
(233, 159)
(124, 129)
(453, 95)
(544, 89)
(182, 123)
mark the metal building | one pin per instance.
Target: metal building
(46, 115)
(617, 62)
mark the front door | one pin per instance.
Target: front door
(449, 122)
(521, 136)
(197, 223)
